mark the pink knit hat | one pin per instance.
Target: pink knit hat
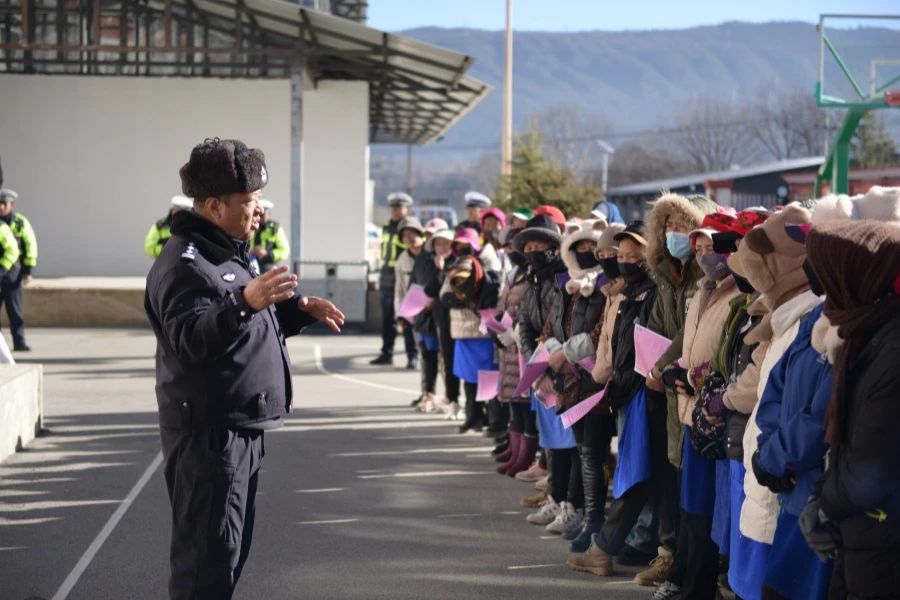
(493, 212)
(468, 236)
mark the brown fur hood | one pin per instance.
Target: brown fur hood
(690, 210)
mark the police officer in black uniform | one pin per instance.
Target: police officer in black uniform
(222, 368)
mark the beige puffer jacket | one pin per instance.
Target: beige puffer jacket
(603, 368)
(703, 329)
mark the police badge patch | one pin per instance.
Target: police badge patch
(229, 277)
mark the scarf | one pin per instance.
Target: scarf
(857, 264)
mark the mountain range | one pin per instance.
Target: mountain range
(638, 80)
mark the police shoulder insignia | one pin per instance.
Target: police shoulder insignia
(190, 251)
(229, 277)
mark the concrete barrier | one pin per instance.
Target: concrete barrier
(21, 406)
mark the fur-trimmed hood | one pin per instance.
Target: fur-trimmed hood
(583, 280)
(689, 210)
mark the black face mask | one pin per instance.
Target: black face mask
(586, 260)
(742, 284)
(517, 258)
(633, 272)
(610, 267)
(540, 258)
(815, 285)
(464, 251)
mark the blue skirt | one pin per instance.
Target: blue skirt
(471, 355)
(698, 480)
(794, 571)
(721, 524)
(553, 435)
(429, 341)
(748, 558)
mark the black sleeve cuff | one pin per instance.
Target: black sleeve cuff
(239, 307)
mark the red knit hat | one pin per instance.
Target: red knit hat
(554, 213)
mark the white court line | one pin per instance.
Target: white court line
(520, 567)
(460, 516)
(424, 474)
(332, 522)
(320, 490)
(95, 546)
(317, 352)
(511, 512)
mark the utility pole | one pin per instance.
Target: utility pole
(506, 136)
(606, 149)
(409, 169)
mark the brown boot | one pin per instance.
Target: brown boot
(658, 570)
(594, 560)
(533, 501)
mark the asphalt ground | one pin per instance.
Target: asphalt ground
(359, 496)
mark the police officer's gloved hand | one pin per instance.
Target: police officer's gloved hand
(778, 485)
(822, 535)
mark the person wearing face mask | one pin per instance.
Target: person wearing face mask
(615, 369)
(471, 284)
(521, 419)
(539, 242)
(694, 570)
(772, 261)
(439, 250)
(571, 334)
(675, 272)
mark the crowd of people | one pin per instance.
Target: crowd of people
(715, 394)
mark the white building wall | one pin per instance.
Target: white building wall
(95, 159)
(335, 171)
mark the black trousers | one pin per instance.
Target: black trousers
(430, 361)
(661, 490)
(451, 381)
(11, 286)
(211, 476)
(389, 328)
(565, 476)
(523, 419)
(475, 416)
(696, 565)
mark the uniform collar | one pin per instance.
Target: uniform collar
(9, 218)
(213, 243)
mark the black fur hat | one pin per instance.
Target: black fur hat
(219, 167)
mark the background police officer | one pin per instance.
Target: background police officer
(222, 367)
(160, 232)
(391, 247)
(18, 275)
(475, 203)
(270, 243)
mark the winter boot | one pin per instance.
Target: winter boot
(515, 446)
(658, 570)
(595, 487)
(527, 447)
(593, 560)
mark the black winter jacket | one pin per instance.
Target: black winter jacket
(586, 313)
(861, 488)
(217, 362)
(539, 297)
(634, 309)
(426, 274)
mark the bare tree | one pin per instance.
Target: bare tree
(788, 124)
(638, 161)
(569, 137)
(710, 133)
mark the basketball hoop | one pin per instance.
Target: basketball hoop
(892, 97)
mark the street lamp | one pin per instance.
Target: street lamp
(606, 149)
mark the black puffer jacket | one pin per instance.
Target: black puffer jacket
(426, 274)
(541, 293)
(861, 488)
(573, 315)
(634, 309)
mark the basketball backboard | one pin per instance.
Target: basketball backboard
(859, 61)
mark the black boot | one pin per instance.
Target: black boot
(595, 486)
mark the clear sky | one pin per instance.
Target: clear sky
(610, 15)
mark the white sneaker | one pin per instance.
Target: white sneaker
(572, 528)
(450, 411)
(433, 405)
(545, 514)
(567, 518)
(461, 414)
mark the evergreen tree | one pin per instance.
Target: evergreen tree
(872, 145)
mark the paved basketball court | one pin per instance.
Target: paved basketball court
(359, 496)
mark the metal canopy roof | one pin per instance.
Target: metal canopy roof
(417, 91)
(653, 187)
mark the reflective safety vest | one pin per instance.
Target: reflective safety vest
(157, 237)
(9, 248)
(27, 241)
(273, 239)
(391, 246)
